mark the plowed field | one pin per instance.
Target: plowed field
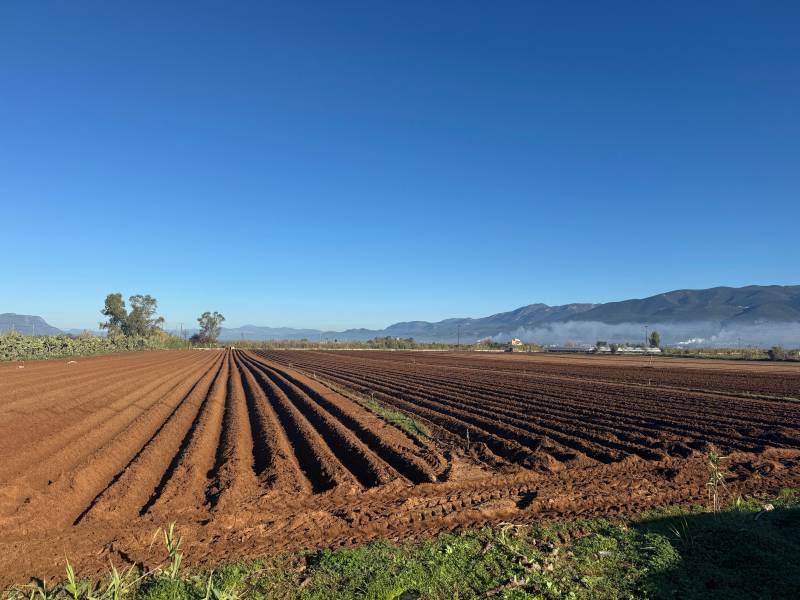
(253, 452)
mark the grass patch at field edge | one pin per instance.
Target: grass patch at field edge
(395, 417)
(743, 551)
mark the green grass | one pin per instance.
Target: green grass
(667, 553)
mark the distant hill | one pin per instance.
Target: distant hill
(26, 324)
(726, 305)
(94, 332)
(683, 312)
(761, 315)
(719, 315)
(255, 332)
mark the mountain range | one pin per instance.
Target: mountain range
(721, 315)
(26, 324)
(680, 313)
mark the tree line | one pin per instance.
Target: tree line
(134, 326)
(141, 319)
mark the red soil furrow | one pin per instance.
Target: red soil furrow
(622, 423)
(68, 420)
(682, 398)
(595, 407)
(600, 414)
(507, 447)
(617, 434)
(589, 441)
(536, 366)
(739, 433)
(504, 403)
(425, 510)
(632, 439)
(275, 462)
(135, 483)
(388, 442)
(490, 382)
(542, 389)
(422, 445)
(234, 480)
(732, 405)
(348, 449)
(717, 406)
(27, 382)
(727, 376)
(47, 457)
(71, 386)
(468, 420)
(257, 452)
(184, 485)
(744, 437)
(316, 460)
(68, 495)
(535, 424)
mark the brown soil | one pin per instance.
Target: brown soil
(254, 452)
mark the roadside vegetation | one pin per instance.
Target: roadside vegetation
(746, 550)
(127, 330)
(776, 353)
(381, 343)
(14, 346)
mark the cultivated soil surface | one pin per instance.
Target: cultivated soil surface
(256, 452)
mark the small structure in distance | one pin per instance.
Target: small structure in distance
(515, 345)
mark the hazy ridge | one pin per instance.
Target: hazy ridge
(720, 316)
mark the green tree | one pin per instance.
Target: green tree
(117, 315)
(614, 348)
(142, 320)
(655, 339)
(210, 326)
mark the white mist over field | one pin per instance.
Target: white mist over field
(700, 333)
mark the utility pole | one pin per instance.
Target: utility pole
(646, 340)
(459, 336)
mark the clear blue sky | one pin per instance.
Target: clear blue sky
(336, 164)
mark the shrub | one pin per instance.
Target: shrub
(15, 346)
